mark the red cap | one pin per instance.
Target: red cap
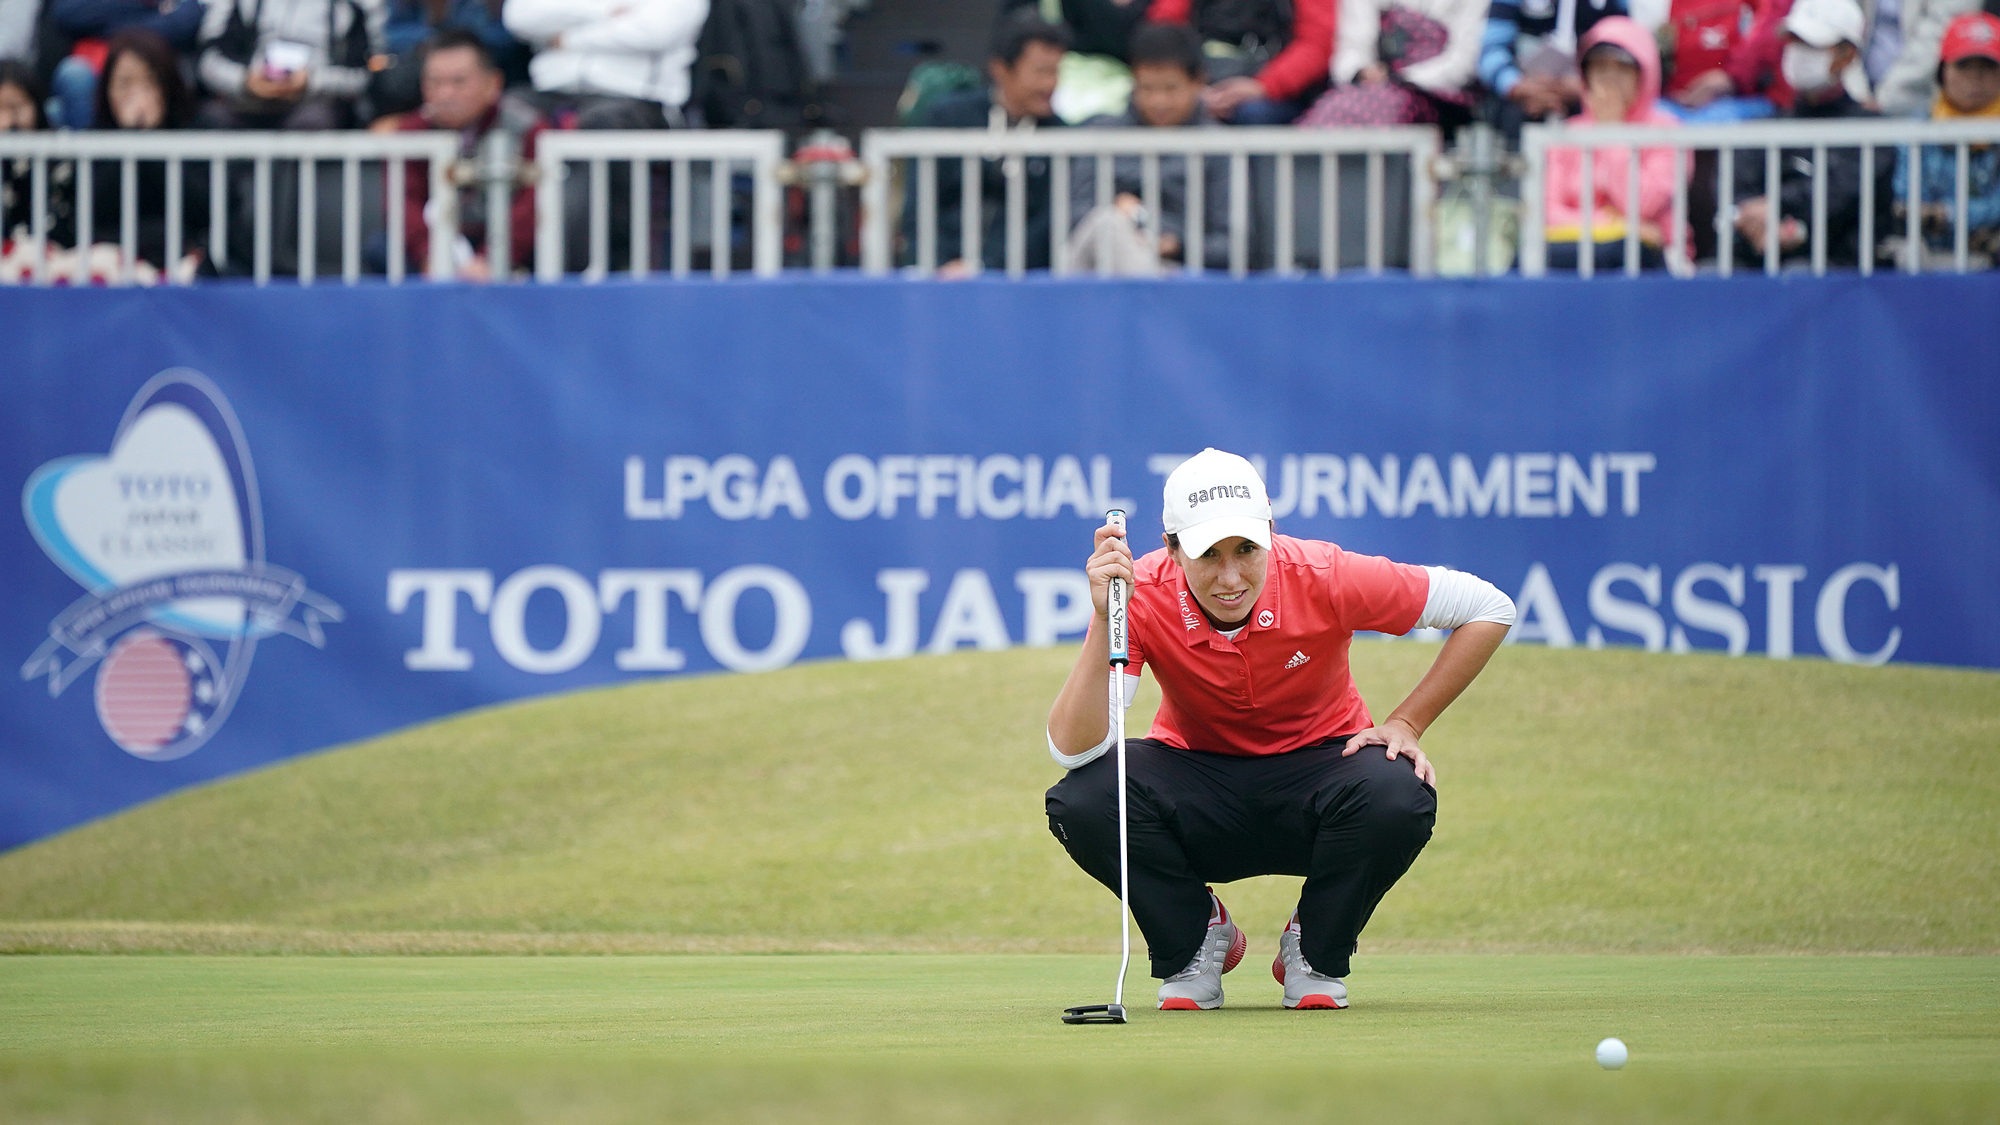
(1974, 34)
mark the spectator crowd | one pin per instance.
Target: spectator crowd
(1335, 63)
(520, 67)
(467, 66)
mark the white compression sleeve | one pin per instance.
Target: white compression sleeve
(1071, 761)
(1458, 598)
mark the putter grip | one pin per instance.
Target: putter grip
(1121, 646)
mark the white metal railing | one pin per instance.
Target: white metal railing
(685, 154)
(1876, 139)
(699, 181)
(1286, 147)
(219, 151)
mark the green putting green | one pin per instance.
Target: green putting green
(871, 924)
(1473, 1038)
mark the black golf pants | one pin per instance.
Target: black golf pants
(1351, 826)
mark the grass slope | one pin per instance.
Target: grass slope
(1606, 802)
(916, 1038)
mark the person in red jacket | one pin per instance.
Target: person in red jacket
(464, 90)
(1285, 79)
(1752, 66)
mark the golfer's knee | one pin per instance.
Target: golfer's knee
(1399, 806)
(1084, 802)
(1089, 788)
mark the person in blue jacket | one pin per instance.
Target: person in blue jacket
(1527, 57)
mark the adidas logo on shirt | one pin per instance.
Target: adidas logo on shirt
(1297, 659)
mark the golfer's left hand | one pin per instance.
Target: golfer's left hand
(1400, 740)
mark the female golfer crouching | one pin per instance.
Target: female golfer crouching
(1263, 759)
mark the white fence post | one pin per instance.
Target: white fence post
(1534, 222)
(874, 205)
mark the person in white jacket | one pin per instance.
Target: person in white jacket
(300, 64)
(1357, 50)
(620, 64)
(17, 29)
(1909, 84)
(1401, 62)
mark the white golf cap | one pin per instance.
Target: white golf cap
(1215, 495)
(1823, 23)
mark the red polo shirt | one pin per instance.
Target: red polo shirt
(1283, 682)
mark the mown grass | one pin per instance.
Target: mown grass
(1601, 814)
(1471, 1038)
(1597, 802)
(262, 1087)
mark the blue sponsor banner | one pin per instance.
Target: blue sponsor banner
(257, 523)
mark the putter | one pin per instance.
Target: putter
(1114, 1012)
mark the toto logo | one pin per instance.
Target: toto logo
(166, 536)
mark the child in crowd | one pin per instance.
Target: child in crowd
(1621, 83)
(1528, 59)
(1168, 77)
(1969, 77)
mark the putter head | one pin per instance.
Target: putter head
(1095, 1013)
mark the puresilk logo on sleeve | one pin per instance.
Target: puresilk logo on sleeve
(166, 536)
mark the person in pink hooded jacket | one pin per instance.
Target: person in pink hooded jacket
(1621, 81)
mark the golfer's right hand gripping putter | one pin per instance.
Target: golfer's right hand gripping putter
(1120, 642)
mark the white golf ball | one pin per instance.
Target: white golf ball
(1611, 1054)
